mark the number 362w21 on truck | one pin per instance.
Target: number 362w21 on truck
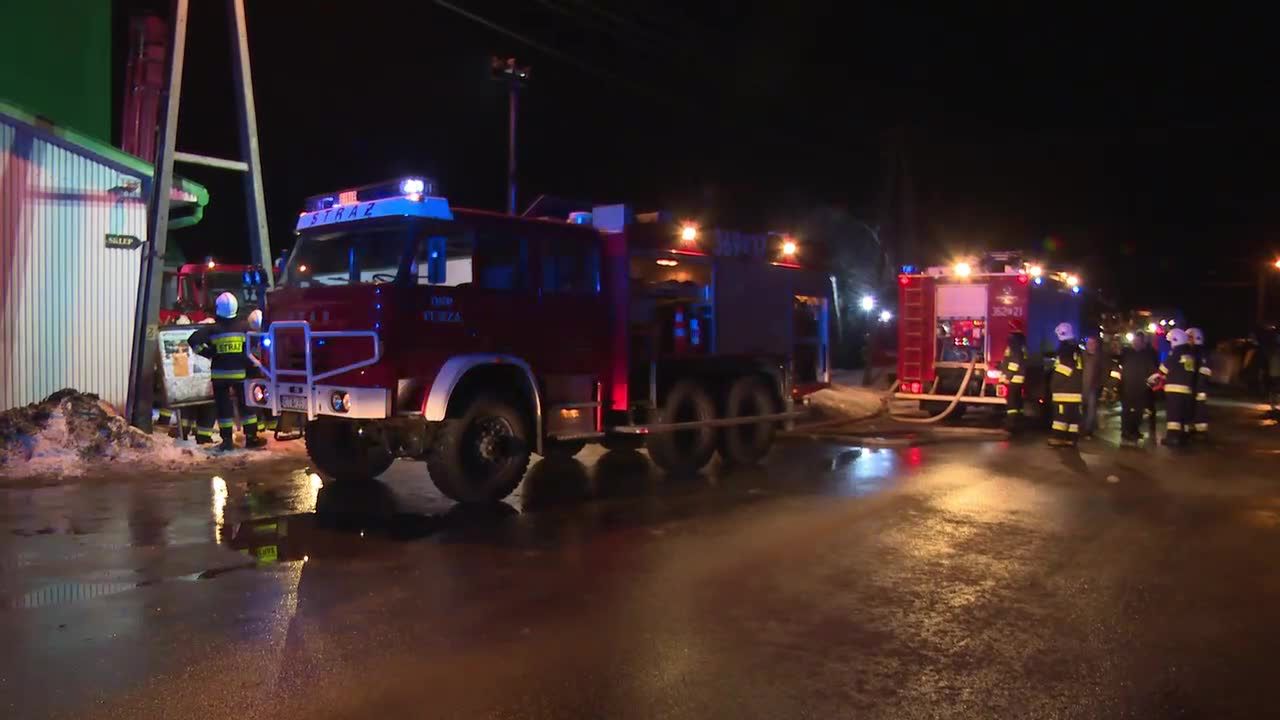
(404, 328)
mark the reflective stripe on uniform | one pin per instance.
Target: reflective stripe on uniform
(225, 423)
(1059, 425)
(1204, 370)
(269, 423)
(1063, 370)
(1018, 379)
(1163, 370)
(1013, 367)
(204, 432)
(1202, 427)
(1067, 397)
(165, 414)
(1115, 374)
(227, 374)
(1073, 428)
(1202, 397)
(251, 420)
(1172, 425)
(1175, 388)
(1012, 411)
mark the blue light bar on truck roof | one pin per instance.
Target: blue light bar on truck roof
(405, 197)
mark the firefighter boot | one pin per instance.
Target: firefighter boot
(228, 443)
(251, 439)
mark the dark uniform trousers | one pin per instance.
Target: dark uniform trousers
(1013, 370)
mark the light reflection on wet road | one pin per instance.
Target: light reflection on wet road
(992, 580)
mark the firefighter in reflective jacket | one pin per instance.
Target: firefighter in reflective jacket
(224, 344)
(1200, 418)
(1179, 373)
(1013, 374)
(1067, 386)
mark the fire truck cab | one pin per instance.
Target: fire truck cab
(958, 317)
(406, 328)
(191, 290)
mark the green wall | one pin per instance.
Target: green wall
(55, 61)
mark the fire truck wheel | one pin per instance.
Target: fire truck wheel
(336, 448)
(685, 452)
(562, 448)
(747, 444)
(481, 456)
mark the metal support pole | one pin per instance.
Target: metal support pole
(259, 240)
(514, 95)
(147, 313)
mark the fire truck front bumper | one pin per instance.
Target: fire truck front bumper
(314, 400)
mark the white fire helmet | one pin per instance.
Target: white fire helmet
(182, 320)
(1065, 332)
(1177, 337)
(255, 321)
(207, 321)
(1196, 335)
(226, 305)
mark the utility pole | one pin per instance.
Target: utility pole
(516, 77)
(146, 315)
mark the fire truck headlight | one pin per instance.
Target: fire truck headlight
(259, 393)
(868, 303)
(266, 342)
(340, 401)
(885, 316)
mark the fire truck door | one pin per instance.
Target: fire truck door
(572, 310)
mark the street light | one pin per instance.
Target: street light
(689, 233)
(885, 316)
(868, 303)
(789, 247)
(516, 77)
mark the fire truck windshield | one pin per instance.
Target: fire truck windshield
(423, 252)
(216, 283)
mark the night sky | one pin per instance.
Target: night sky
(1138, 147)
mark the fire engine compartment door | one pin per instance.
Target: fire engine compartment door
(961, 332)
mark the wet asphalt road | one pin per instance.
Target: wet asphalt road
(996, 580)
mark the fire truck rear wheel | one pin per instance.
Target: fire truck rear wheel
(341, 452)
(685, 452)
(481, 456)
(747, 444)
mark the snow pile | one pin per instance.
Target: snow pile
(850, 402)
(70, 433)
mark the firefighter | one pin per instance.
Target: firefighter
(266, 421)
(1066, 385)
(1200, 419)
(1130, 374)
(224, 345)
(1179, 373)
(1013, 374)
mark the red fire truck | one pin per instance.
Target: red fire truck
(191, 290)
(954, 322)
(406, 328)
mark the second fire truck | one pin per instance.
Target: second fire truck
(954, 322)
(407, 328)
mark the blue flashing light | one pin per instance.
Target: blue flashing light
(398, 188)
(908, 269)
(266, 342)
(1075, 289)
(1038, 280)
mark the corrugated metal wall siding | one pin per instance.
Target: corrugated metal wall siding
(66, 301)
